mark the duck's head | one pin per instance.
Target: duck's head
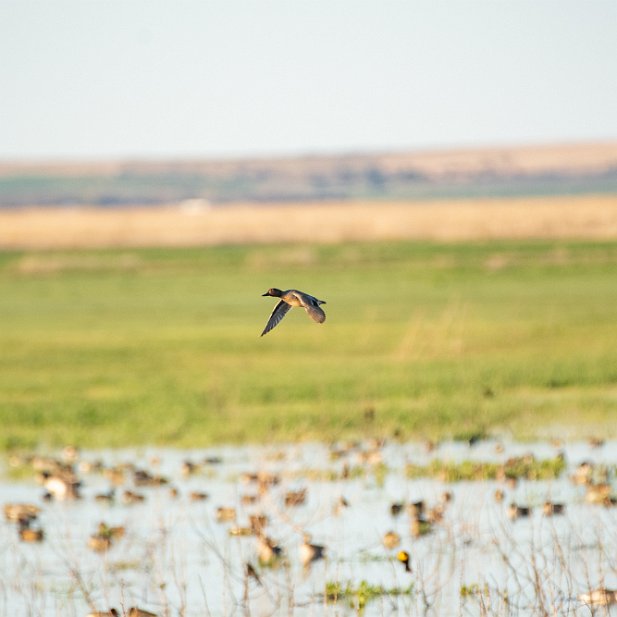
(273, 291)
(403, 557)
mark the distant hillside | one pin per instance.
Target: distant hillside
(521, 171)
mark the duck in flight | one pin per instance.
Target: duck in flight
(289, 298)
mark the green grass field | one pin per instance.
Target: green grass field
(162, 346)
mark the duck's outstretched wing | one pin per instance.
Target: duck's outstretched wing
(315, 312)
(280, 310)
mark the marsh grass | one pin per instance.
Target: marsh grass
(107, 348)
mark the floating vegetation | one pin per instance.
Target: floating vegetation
(358, 596)
(523, 467)
(120, 566)
(347, 472)
(380, 472)
(365, 556)
(469, 591)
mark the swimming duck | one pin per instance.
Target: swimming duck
(598, 493)
(446, 497)
(339, 505)
(295, 498)
(515, 511)
(310, 552)
(396, 508)
(140, 612)
(391, 539)
(403, 557)
(596, 442)
(551, 508)
(263, 479)
(61, 486)
(436, 513)
(29, 534)
(142, 477)
(70, 454)
(268, 552)
(370, 457)
(416, 508)
(115, 474)
(107, 497)
(21, 512)
(583, 473)
(213, 460)
(258, 523)
(599, 597)
(99, 543)
(420, 527)
(289, 299)
(95, 466)
(240, 531)
(130, 497)
(189, 468)
(225, 513)
(113, 533)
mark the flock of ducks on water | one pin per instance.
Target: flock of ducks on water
(60, 480)
(132, 612)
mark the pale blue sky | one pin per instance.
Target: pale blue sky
(101, 78)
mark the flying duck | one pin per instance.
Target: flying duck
(290, 298)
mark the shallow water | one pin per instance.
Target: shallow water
(176, 559)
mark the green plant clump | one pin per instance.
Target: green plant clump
(359, 595)
(528, 468)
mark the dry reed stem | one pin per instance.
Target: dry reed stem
(579, 217)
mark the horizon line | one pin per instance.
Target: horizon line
(301, 153)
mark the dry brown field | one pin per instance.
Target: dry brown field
(196, 223)
(532, 159)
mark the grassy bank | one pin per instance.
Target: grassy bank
(126, 347)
